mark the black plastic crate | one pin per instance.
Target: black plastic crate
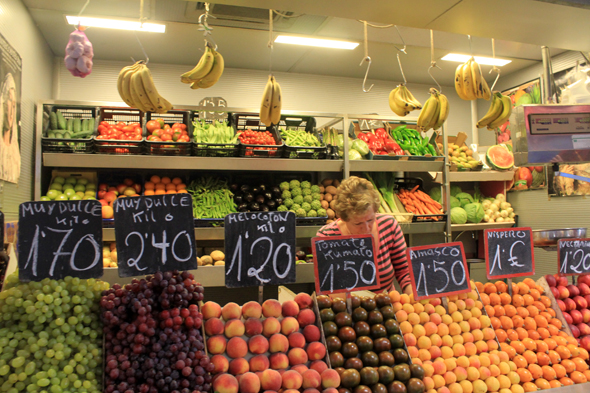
(311, 221)
(251, 121)
(209, 222)
(76, 145)
(169, 148)
(216, 149)
(123, 147)
(306, 124)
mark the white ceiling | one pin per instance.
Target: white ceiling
(245, 46)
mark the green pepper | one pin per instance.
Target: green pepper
(425, 141)
(431, 149)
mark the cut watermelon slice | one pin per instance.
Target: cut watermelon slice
(498, 157)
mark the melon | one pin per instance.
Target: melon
(524, 174)
(498, 157)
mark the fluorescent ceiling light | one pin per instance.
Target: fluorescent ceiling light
(479, 59)
(322, 43)
(116, 24)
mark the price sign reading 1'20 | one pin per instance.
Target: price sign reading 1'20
(155, 233)
(438, 270)
(59, 239)
(509, 252)
(573, 256)
(259, 249)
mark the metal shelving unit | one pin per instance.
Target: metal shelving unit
(481, 226)
(471, 176)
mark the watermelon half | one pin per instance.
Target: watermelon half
(498, 157)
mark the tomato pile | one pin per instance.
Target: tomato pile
(120, 131)
(161, 132)
(250, 137)
(380, 143)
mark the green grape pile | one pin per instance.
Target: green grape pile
(51, 336)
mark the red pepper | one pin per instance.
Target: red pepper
(393, 147)
(381, 133)
(375, 146)
(363, 136)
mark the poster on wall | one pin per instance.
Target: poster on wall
(10, 111)
(527, 93)
(566, 186)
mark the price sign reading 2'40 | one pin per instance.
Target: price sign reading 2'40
(259, 249)
(345, 263)
(59, 239)
(573, 256)
(438, 270)
(509, 252)
(155, 233)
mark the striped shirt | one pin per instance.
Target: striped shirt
(391, 257)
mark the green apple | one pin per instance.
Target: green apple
(68, 186)
(52, 194)
(61, 197)
(45, 198)
(90, 192)
(71, 180)
(59, 179)
(88, 197)
(80, 188)
(90, 186)
(79, 193)
(75, 198)
(82, 181)
(69, 192)
(56, 186)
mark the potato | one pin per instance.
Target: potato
(331, 214)
(328, 197)
(207, 260)
(332, 204)
(336, 183)
(113, 256)
(322, 189)
(217, 256)
(112, 246)
(219, 263)
(325, 204)
(327, 182)
(199, 262)
(332, 190)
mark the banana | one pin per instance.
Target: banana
(459, 82)
(137, 86)
(156, 100)
(477, 78)
(213, 76)
(429, 111)
(401, 100)
(126, 87)
(493, 112)
(487, 93)
(201, 69)
(276, 103)
(504, 116)
(124, 93)
(443, 111)
(409, 98)
(267, 101)
(195, 85)
(395, 107)
(468, 89)
(436, 115)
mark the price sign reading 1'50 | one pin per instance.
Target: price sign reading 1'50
(509, 252)
(259, 249)
(438, 270)
(573, 256)
(59, 239)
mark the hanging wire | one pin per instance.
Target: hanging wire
(287, 16)
(366, 58)
(403, 50)
(470, 45)
(376, 26)
(270, 39)
(206, 29)
(141, 19)
(80, 13)
(433, 61)
(494, 68)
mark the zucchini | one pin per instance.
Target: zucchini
(59, 135)
(67, 135)
(53, 120)
(91, 124)
(51, 134)
(85, 125)
(77, 125)
(70, 124)
(81, 134)
(61, 121)
(57, 131)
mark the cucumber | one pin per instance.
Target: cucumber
(91, 124)
(82, 134)
(61, 121)
(77, 125)
(67, 135)
(51, 134)
(59, 135)
(85, 125)
(70, 124)
(57, 131)
(53, 120)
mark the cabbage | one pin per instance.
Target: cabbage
(455, 190)
(458, 215)
(474, 212)
(455, 202)
(435, 194)
(354, 155)
(464, 198)
(360, 146)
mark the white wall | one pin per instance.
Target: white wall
(18, 28)
(243, 89)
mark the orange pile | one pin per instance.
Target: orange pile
(531, 335)
(457, 349)
(164, 185)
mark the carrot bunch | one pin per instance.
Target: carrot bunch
(418, 202)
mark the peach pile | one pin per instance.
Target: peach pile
(573, 300)
(272, 346)
(456, 348)
(530, 334)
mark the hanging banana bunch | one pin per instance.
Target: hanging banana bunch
(136, 87)
(435, 111)
(470, 83)
(402, 102)
(270, 108)
(498, 114)
(207, 72)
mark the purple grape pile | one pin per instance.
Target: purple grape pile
(152, 334)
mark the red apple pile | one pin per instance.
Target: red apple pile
(108, 194)
(268, 347)
(573, 300)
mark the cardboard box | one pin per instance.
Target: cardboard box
(459, 140)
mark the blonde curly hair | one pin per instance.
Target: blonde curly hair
(355, 196)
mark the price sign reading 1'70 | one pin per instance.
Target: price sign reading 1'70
(573, 256)
(438, 270)
(509, 252)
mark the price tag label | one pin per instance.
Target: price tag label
(259, 249)
(214, 103)
(345, 263)
(59, 239)
(509, 252)
(573, 256)
(155, 233)
(438, 270)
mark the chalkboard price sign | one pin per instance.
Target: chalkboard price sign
(509, 252)
(345, 263)
(438, 270)
(573, 256)
(155, 233)
(59, 239)
(259, 249)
